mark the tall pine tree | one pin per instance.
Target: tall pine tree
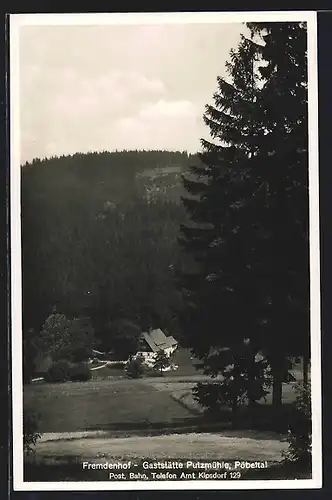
(249, 208)
(282, 254)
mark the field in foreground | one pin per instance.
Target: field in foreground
(101, 404)
(123, 419)
(120, 403)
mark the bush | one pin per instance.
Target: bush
(210, 396)
(30, 431)
(299, 433)
(161, 361)
(80, 373)
(135, 368)
(246, 380)
(58, 372)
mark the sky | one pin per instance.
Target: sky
(108, 87)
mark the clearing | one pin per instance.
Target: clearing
(102, 404)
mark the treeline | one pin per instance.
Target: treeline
(95, 246)
(96, 174)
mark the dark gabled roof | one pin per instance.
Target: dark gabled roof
(156, 339)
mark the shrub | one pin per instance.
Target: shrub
(210, 396)
(80, 373)
(58, 372)
(235, 391)
(246, 379)
(299, 433)
(161, 361)
(135, 368)
(30, 430)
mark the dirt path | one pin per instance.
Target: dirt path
(193, 445)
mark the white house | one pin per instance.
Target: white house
(154, 341)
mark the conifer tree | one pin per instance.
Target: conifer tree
(248, 202)
(282, 256)
(217, 238)
(161, 361)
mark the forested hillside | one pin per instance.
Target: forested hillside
(100, 237)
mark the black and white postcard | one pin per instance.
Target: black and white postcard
(165, 260)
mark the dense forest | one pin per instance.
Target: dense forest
(99, 234)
